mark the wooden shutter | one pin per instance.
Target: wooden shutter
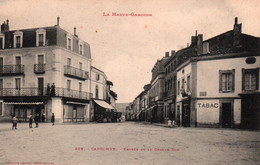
(220, 81)
(257, 78)
(243, 79)
(233, 80)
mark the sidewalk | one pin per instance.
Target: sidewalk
(155, 124)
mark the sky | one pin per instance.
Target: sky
(127, 47)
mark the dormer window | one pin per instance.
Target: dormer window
(69, 42)
(18, 39)
(81, 48)
(40, 37)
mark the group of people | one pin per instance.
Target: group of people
(51, 89)
(36, 120)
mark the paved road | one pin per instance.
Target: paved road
(126, 143)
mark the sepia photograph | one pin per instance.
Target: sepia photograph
(149, 82)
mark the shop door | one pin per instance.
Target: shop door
(74, 114)
(186, 114)
(226, 115)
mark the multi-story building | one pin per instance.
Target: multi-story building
(32, 62)
(103, 100)
(145, 102)
(219, 85)
(155, 113)
(130, 112)
(170, 87)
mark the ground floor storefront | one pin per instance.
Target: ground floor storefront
(209, 112)
(64, 110)
(101, 111)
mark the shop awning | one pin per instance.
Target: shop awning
(77, 103)
(24, 103)
(104, 104)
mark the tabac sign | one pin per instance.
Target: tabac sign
(208, 104)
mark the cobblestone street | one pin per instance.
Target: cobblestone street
(126, 143)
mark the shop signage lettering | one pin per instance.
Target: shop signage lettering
(208, 105)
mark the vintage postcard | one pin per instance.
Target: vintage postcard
(92, 82)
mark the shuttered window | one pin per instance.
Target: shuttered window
(227, 80)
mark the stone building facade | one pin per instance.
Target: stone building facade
(32, 62)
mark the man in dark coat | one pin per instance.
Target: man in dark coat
(48, 89)
(30, 120)
(52, 89)
(36, 119)
(53, 119)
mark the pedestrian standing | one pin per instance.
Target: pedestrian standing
(14, 120)
(43, 117)
(53, 119)
(53, 89)
(48, 90)
(30, 120)
(36, 120)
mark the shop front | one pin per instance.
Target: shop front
(250, 115)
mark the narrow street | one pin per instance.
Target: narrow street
(126, 143)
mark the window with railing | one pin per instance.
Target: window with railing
(75, 72)
(39, 68)
(59, 92)
(11, 69)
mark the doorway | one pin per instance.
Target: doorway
(226, 115)
(186, 113)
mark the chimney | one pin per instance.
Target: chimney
(237, 33)
(5, 26)
(235, 20)
(166, 54)
(196, 34)
(188, 45)
(58, 21)
(75, 31)
(200, 44)
(173, 53)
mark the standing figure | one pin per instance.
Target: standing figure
(52, 89)
(43, 117)
(30, 120)
(48, 90)
(36, 120)
(14, 120)
(53, 119)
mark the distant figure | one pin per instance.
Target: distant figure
(14, 120)
(48, 89)
(53, 119)
(43, 117)
(36, 120)
(52, 89)
(30, 120)
(170, 123)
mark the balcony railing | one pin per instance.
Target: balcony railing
(22, 92)
(58, 92)
(75, 72)
(39, 68)
(11, 69)
(64, 92)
